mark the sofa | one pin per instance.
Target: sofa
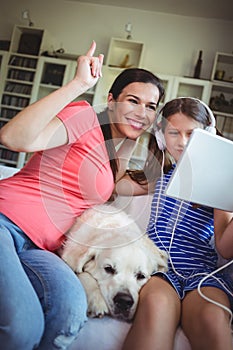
(107, 333)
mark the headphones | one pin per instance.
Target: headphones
(159, 133)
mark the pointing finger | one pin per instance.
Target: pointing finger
(91, 50)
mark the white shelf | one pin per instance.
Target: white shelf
(124, 53)
(221, 94)
(222, 67)
(191, 87)
(26, 40)
(17, 82)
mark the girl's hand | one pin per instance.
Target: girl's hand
(89, 68)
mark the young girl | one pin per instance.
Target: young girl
(74, 167)
(185, 232)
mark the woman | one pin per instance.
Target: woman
(74, 167)
(185, 231)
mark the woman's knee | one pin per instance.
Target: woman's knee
(64, 321)
(70, 303)
(66, 313)
(23, 330)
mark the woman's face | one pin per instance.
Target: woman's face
(177, 132)
(134, 110)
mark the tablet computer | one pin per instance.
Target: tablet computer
(204, 172)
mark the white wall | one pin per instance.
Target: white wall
(171, 42)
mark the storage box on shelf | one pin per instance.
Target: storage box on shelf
(18, 79)
(221, 95)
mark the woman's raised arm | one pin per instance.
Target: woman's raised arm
(36, 127)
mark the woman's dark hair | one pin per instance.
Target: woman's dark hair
(126, 77)
(106, 130)
(135, 75)
(152, 168)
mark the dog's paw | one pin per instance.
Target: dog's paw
(97, 306)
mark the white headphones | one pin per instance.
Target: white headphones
(159, 133)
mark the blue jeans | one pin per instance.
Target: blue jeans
(42, 303)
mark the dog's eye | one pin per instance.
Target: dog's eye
(109, 269)
(140, 276)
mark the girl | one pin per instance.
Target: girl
(74, 166)
(185, 232)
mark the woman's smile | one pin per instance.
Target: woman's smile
(135, 124)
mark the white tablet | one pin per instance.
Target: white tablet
(204, 172)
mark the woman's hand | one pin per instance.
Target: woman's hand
(89, 68)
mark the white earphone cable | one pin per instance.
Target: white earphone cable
(170, 246)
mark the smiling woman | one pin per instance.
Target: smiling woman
(74, 166)
(132, 101)
(133, 111)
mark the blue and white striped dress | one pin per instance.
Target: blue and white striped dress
(186, 233)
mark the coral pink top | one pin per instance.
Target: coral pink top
(57, 185)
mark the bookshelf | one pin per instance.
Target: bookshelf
(19, 67)
(221, 94)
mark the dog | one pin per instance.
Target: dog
(113, 259)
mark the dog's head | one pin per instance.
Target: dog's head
(120, 258)
(121, 272)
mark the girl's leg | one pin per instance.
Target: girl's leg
(206, 324)
(61, 295)
(156, 319)
(21, 315)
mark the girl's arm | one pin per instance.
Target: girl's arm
(223, 229)
(128, 187)
(36, 127)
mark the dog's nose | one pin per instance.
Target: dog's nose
(123, 301)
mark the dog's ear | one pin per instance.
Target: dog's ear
(157, 256)
(162, 260)
(82, 260)
(77, 255)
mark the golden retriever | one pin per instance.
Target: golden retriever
(112, 258)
